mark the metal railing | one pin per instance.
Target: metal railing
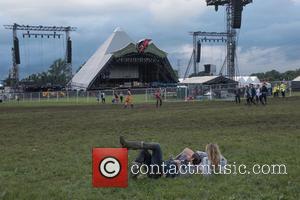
(145, 95)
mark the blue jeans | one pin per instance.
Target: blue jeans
(145, 157)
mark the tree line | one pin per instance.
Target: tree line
(274, 75)
(57, 74)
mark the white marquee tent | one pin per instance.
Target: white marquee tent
(296, 84)
(247, 80)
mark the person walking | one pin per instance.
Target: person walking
(102, 97)
(258, 95)
(248, 95)
(237, 93)
(98, 96)
(121, 97)
(158, 98)
(282, 89)
(116, 98)
(128, 99)
(276, 90)
(264, 93)
(253, 94)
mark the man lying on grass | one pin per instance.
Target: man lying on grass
(186, 163)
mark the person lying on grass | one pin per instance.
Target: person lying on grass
(212, 161)
(186, 163)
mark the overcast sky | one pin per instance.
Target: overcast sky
(269, 38)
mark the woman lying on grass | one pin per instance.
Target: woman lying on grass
(186, 163)
(212, 161)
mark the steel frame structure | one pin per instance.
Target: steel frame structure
(230, 35)
(32, 31)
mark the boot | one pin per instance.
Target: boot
(136, 144)
(130, 144)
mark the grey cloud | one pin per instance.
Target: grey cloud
(266, 24)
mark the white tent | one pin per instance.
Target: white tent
(207, 80)
(118, 40)
(297, 79)
(247, 80)
(198, 79)
(296, 84)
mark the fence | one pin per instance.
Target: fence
(146, 95)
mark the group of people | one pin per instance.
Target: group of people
(117, 98)
(150, 154)
(253, 94)
(101, 97)
(279, 88)
(256, 94)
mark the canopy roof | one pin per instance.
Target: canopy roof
(297, 79)
(246, 80)
(117, 40)
(207, 80)
(198, 80)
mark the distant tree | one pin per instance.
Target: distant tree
(176, 73)
(277, 76)
(272, 75)
(58, 74)
(9, 81)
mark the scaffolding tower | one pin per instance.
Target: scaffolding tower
(234, 10)
(37, 31)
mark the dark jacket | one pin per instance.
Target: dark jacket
(253, 92)
(264, 89)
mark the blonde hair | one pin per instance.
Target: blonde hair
(214, 154)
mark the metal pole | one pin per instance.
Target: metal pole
(77, 97)
(15, 68)
(194, 53)
(231, 43)
(290, 87)
(165, 94)
(186, 93)
(69, 65)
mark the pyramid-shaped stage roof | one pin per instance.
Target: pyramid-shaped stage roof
(118, 44)
(116, 41)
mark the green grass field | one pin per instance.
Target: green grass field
(45, 149)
